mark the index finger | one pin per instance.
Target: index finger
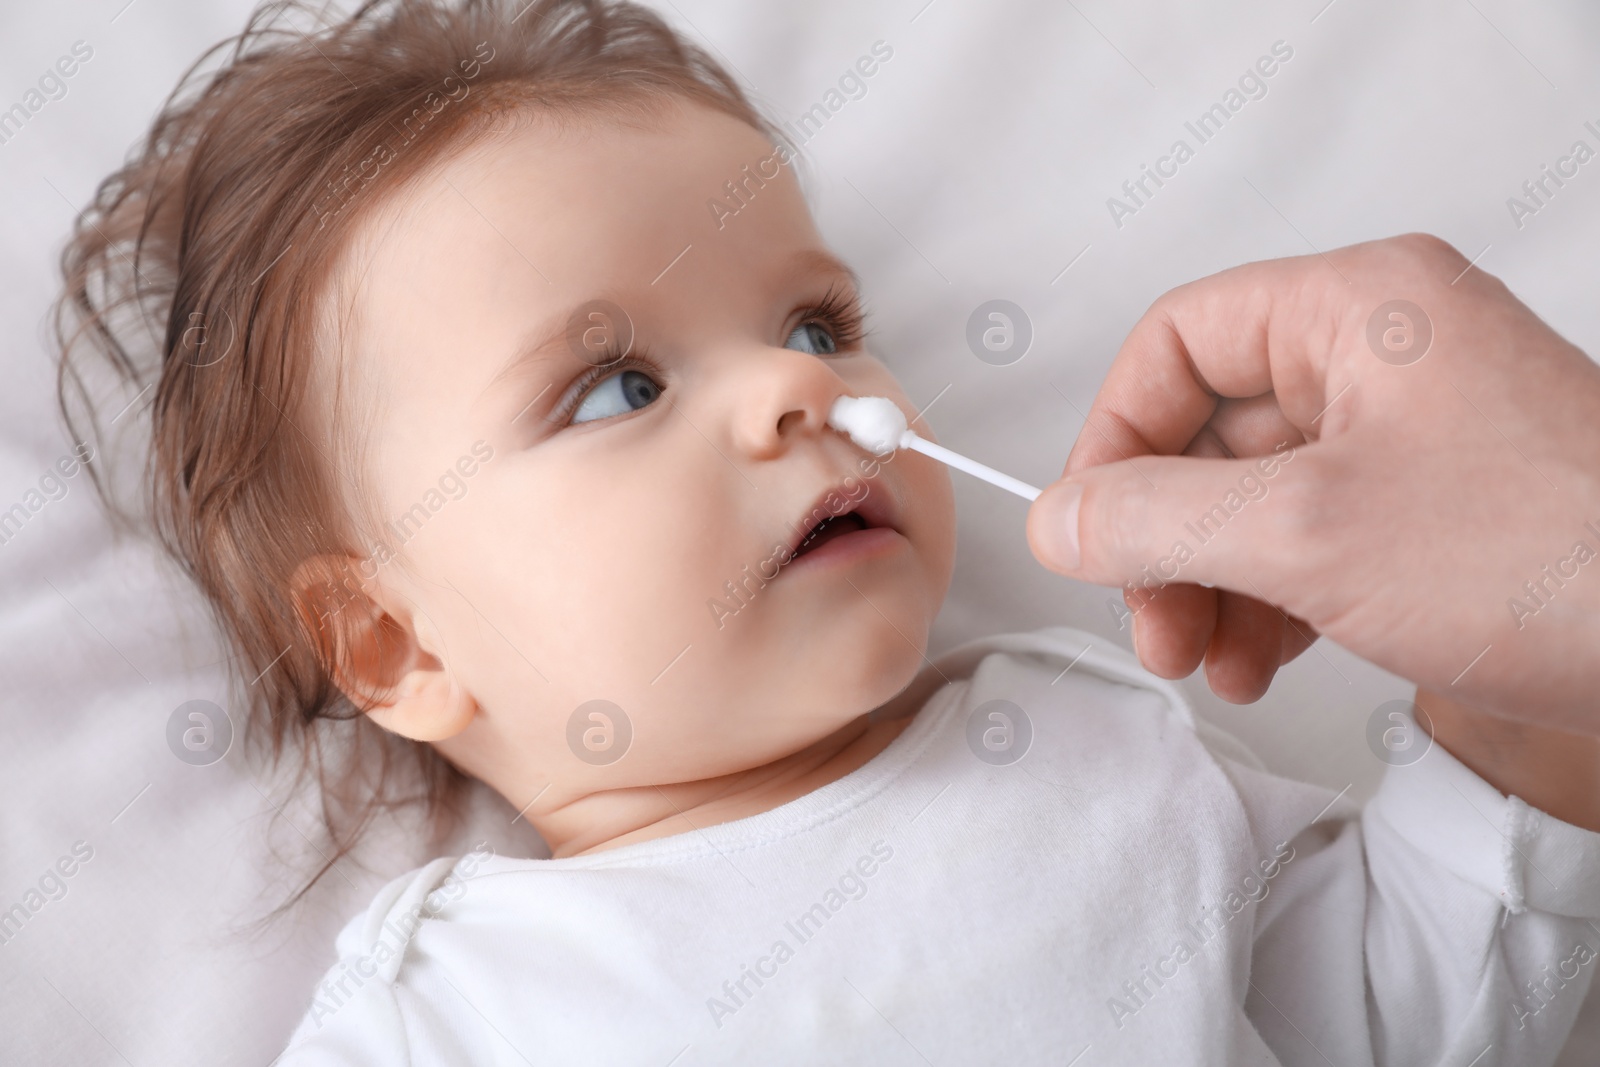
(1253, 329)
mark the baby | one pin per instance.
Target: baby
(491, 412)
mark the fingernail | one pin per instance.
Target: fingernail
(1058, 514)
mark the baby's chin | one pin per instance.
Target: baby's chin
(878, 662)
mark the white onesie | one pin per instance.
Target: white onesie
(1123, 893)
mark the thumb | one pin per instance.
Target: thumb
(1163, 519)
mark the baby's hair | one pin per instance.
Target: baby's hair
(224, 226)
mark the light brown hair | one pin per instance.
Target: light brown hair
(224, 226)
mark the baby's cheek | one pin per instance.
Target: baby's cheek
(941, 514)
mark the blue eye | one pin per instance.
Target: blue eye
(617, 395)
(812, 337)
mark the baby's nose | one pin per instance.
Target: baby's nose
(783, 397)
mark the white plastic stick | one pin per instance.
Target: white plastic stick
(955, 459)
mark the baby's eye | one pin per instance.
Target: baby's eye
(812, 337)
(619, 394)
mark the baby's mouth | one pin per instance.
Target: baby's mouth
(828, 529)
(844, 513)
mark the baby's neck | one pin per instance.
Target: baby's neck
(600, 821)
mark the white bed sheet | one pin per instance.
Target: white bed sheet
(976, 166)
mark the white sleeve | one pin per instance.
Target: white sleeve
(1448, 925)
(355, 1018)
(352, 1026)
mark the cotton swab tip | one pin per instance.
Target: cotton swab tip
(874, 423)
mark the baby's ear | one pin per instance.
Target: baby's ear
(380, 650)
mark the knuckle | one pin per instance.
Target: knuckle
(1429, 250)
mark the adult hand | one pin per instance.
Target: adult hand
(1419, 481)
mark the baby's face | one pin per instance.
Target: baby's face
(590, 557)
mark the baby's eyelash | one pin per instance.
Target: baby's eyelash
(840, 309)
(638, 360)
